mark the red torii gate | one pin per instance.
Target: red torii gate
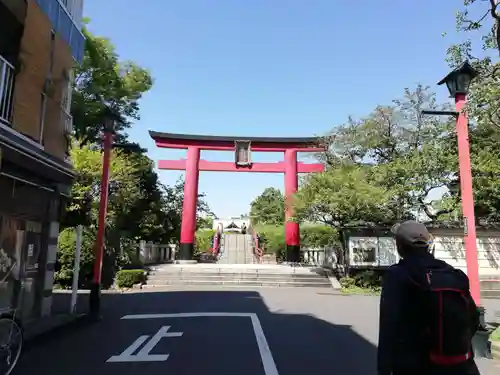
(242, 146)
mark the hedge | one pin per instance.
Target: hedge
(129, 278)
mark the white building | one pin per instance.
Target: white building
(232, 224)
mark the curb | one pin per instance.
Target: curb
(38, 336)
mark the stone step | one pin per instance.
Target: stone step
(236, 275)
(191, 276)
(493, 294)
(233, 282)
(490, 284)
(252, 269)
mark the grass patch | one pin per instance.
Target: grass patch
(495, 335)
(360, 291)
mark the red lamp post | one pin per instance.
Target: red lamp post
(458, 82)
(95, 291)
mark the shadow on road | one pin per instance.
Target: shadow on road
(299, 343)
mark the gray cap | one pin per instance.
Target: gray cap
(412, 233)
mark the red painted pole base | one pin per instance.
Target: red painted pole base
(186, 251)
(293, 253)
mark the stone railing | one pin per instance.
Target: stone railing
(321, 257)
(150, 253)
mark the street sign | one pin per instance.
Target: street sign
(143, 355)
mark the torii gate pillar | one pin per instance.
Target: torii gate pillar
(193, 165)
(189, 205)
(292, 232)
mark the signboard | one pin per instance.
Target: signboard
(363, 251)
(371, 251)
(387, 251)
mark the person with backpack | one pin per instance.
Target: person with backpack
(427, 314)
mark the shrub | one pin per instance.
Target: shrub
(63, 275)
(365, 280)
(272, 238)
(311, 236)
(368, 280)
(66, 258)
(204, 240)
(129, 278)
(347, 282)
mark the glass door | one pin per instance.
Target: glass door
(30, 255)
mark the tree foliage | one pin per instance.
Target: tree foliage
(478, 24)
(102, 79)
(385, 166)
(268, 208)
(139, 206)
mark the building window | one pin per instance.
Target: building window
(65, 25)
(7, 74)
(67, 92)
(53, 12)
(66, 118)
(43, 114)
(52, 51)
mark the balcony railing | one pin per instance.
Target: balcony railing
(7, 74)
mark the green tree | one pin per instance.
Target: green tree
(341, 195)
(173, 199)
(408, 155)
(478, 26)
(268, 208)
(102, 79)
(316, 236)
(205, 222)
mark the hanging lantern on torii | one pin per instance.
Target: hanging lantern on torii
(242, 153)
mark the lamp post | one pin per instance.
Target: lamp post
(458, 83)
(95, 290)
(108, 145)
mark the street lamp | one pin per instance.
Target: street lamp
(95, 289)
(458, 80)
(108, 145)
(458, 83)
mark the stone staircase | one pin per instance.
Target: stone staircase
(239, 275)
(236, 248)
(490, 287)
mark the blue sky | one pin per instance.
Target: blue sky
(270, 68)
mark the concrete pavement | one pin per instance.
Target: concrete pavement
(220, 331)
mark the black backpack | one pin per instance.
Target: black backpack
(449, 314)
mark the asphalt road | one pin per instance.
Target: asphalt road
(219, 332)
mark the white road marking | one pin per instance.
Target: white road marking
(264, 350)
(143, 355)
